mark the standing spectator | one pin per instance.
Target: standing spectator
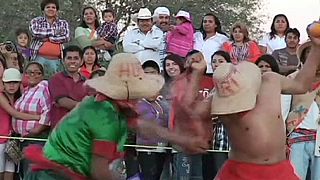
(212, 162)
(180, 38)
(34, 100)
(210, 38)
(145, 40)
(151, 109)
(161, 18)
(302, 125)
(86, 32)
(23, 43)
(11, 79)
(108, 31)
(49, 32)
(276, 38)
(173, 66)
(66, 88)
(287, 57)
(241, 48)
(90, 61)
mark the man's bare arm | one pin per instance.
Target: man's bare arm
(100, 169)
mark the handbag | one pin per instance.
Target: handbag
(12, 150)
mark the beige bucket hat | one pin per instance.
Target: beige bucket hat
(120, 83)
(236, 88)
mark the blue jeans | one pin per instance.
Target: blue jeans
(302, 156)
(187, 167)
(50, 66)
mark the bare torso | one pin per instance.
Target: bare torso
(258, 136)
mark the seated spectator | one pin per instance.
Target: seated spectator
(108, 31)
(276, 38)
(287, 57)
(66, 88)
(49, 32)
(23, 43)
(90, 61)
(173, 66)
(180, 38)
(145, 40)
(210, 38)
(219, 57)
(151, 109)
(34, 100)
(241, 48)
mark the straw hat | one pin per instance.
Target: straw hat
(120, 83)
(184, 14)
(144, 13)
(236, 86)
(11, 75)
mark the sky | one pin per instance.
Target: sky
(299, 12)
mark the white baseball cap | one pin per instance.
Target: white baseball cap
(184, 14)
(162, 11)
(11, 74)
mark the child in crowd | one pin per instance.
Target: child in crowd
(23, 42)
(180, 38)
(108, 30)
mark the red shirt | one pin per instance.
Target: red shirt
(62, 85)
(5, 127)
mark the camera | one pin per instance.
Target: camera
(8, 46)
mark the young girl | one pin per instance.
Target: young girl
(23, 42)
(11, 81)
(180, 38)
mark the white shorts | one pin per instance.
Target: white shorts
(5, 164)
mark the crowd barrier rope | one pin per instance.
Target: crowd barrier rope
(126, 145)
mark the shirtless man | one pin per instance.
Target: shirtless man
(255, 125)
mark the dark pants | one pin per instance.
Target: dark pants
(131, 161)
(211, 163)
(24, 163)
(45, 175)
(151, 164)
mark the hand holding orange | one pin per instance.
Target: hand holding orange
(314, 29)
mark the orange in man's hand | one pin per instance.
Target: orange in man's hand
(314, 29)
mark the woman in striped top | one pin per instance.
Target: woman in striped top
(241, 48)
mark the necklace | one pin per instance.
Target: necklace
(157, 112)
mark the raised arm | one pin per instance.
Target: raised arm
(303, 80)
(4, 103)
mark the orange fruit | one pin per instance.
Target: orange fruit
(314, 29)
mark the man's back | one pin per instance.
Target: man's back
(258, 136)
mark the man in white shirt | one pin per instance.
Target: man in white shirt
(144, 41)
(161, 18)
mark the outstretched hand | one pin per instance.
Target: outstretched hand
(196, 62)
(193, 145)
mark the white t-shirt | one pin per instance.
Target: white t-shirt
(209, 46)
(272, 44)
(311, 120)
(285, 105)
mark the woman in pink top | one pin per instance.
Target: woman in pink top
(11, 82)
(180, 39)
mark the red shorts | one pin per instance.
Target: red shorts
(234, 170)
